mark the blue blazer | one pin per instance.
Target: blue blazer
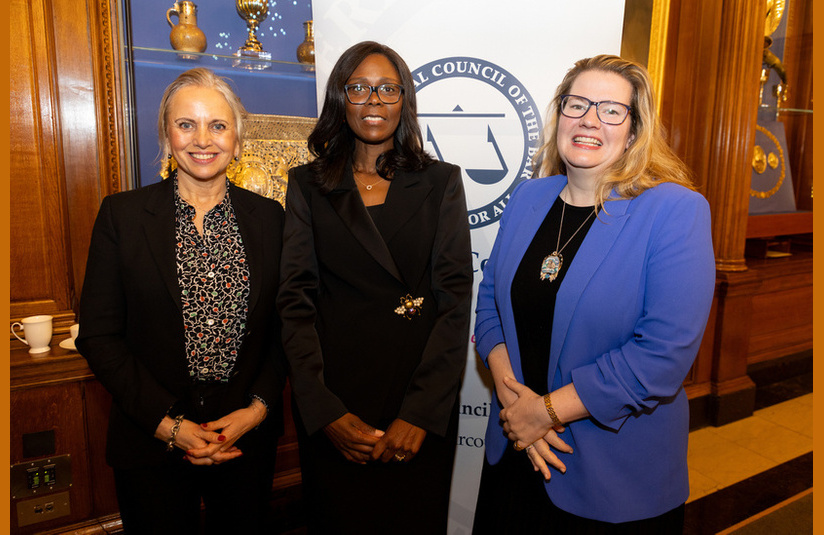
(629, 318)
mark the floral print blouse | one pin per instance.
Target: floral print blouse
(213, 276)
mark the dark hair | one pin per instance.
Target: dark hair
(332, 141)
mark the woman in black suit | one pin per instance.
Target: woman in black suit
(375, 303)
(179, 323)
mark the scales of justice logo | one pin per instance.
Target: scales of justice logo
(475, 114)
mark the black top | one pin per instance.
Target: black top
(375, 212)
(533, 299)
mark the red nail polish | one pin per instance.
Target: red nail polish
(203, 425)
(221, 438)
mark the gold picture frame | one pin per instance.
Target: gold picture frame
(645, 38)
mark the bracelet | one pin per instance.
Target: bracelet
(170, 444)
(556, 422)
(263, 401)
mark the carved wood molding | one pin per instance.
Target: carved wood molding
(106, 57)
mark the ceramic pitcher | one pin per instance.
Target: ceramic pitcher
(185, 36)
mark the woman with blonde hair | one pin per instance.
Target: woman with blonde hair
(178, 322)
(590, 313)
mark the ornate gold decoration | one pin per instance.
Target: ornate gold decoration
(772, 159)
(772, 191)
(273, 144)
(775, 10)
(410, 306)
(168, 165)
(759, 160)
(253, 12)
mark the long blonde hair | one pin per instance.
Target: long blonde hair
(647, 162)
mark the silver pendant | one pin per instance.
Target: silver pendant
(551, 266)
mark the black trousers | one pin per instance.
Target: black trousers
(167, 499)
(512, 500)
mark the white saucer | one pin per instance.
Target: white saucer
(68, 343)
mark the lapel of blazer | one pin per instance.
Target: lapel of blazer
(404, 199)
(159, 229)
(519, 234)
(590, 255)
(252, 232)
(526, 227)
(346, 201)
(406, 195)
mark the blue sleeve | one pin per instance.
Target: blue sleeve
(678, 291)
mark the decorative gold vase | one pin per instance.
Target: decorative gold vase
(185, 35)
(253, 12)
(306, 50)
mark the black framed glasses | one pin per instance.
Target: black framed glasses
(360, 93)
(608, 111)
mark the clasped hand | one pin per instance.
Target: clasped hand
(526, 422)
(359, 442)
(213, 442)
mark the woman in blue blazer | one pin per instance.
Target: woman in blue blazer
(590, 313)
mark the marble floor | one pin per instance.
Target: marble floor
(722, 456)
(743, 472)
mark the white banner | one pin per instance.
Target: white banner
(484, 72)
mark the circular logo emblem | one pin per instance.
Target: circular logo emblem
(475, 114)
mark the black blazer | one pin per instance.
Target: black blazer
(131, 326)
(343, 276)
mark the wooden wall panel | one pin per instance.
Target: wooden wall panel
(782, 319)
(66, 140)
(39, 245)
(97, 404)
(58, 408)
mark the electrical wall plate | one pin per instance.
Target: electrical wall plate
(43, 508)
(42, 476)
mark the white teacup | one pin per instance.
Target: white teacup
(37, 331)
(74, 330)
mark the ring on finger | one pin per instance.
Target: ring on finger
(400, 456)
(517, 447)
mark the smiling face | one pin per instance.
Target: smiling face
(586, 145)
(374, 123)
(201, 133)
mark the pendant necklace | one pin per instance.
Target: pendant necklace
(552, 264)
(367, 186)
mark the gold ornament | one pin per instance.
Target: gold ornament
(775, 10)
(759, 160)
(410, 306)
(167, 166)
(253, 12)
(772, 191)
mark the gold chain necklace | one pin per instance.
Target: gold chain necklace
(367, 186)
(552, 263)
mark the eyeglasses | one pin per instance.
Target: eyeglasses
(361, 93)
(608, 111)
